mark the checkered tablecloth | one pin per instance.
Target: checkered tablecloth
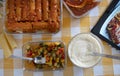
(70, 27)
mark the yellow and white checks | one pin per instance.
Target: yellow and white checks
(69, 28)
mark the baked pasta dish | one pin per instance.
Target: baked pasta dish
(113, 29)
(31, 16)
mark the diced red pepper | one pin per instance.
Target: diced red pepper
(29, 53)
(63, 56)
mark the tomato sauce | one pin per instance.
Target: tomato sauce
(80, 7)
(75, 2)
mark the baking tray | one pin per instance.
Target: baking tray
(100, 28)
(36, 31)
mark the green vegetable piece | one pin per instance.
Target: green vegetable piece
(58, 65)
(50, 63)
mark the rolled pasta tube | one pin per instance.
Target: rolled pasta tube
(32, 10)
(38, 9)
(32, 5)
(53, 10)
(18, 27)
(25, 10)
(54, 26)
(11, 10)
(26, 27)
(58, 9)
(45, 9)
(18, 10)
(40, 25)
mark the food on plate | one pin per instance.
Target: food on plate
(113, 29)
(46, 9)
(31, 16)
(80, 7)
(53, 52)
(80, 48)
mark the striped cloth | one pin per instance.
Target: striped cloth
(70, 27)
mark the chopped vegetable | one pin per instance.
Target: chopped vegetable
(52, 51)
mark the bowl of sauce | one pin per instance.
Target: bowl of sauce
(79, 8)
(81, 46)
